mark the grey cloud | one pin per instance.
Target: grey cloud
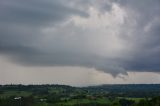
(22, 21)
(35, 12)
(23, 36)
(145, 56)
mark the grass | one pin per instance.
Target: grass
(85, 101)
(15, 93)
(130, 98)
(66, 101)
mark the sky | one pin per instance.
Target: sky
(79, 42)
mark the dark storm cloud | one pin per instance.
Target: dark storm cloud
(21, 21)
(42, 33)
(146, 35)
(35, 12)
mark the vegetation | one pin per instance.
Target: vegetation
(62, 95)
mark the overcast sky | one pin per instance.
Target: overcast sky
(79, 42)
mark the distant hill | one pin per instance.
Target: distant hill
(128, 89)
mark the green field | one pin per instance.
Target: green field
(61, 95)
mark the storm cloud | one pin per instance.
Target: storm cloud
(114, 36)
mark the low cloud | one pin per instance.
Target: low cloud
(111, 36)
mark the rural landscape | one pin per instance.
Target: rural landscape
(62, 95)
(79, 52)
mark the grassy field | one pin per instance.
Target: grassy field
(85, 101)
(15, 93)
(66, 101)
(60, 95)
(131, 98)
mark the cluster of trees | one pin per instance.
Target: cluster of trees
(151, 102)
(129, 90)
(143, 102)
(23, 101)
